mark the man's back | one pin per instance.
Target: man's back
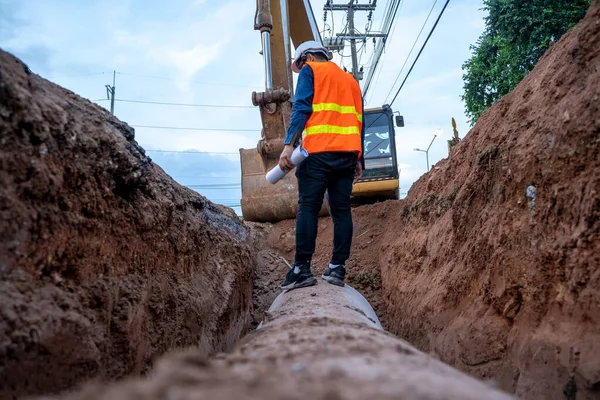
(336, 120)
(342, 84)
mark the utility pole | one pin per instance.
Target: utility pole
(353, 42)
(110, 94)
(350, 8)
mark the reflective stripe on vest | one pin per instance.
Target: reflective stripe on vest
(336, 121)
(340, 130)
(337, 108)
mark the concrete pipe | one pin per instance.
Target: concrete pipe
(320, 342)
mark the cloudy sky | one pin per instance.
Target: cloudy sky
(205, 52)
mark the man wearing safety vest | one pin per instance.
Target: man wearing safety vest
(328, 113)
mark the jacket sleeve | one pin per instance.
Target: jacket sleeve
(302, 107)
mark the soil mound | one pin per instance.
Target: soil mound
(105, 261)
(494, 264)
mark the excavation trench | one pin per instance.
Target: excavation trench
(490, 264)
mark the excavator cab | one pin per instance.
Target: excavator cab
(380, 180)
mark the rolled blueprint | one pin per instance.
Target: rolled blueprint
(275, 174)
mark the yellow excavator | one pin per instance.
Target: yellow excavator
(281, 22)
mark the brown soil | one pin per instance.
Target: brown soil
(269, 271)
(493, 278)
(105, 261)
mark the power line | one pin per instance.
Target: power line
(181, 104)
(184, 80)
(220, 187)
(206, 176)
(393, 23)
(392, 28)
(216, 185)
(228, 200)
(78, 75)
(411, 50)
(195, 129)
(420, 51)
(191, 152)
(392, 8)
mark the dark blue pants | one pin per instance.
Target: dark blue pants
(319, 172)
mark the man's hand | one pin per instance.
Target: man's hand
(359, 171)
(285, 160)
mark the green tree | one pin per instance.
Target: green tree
(517, 34)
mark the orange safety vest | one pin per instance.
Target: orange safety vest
(336, 120)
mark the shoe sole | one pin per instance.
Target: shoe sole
(305, 283)
(334, 281)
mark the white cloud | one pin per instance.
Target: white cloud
(187, 62)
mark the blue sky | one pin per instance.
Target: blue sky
(206, 52)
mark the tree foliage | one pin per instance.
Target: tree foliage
(517, 34)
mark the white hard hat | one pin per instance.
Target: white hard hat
(311, 46)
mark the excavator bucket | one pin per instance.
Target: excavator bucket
(261, 200)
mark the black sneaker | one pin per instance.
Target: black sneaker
(303, 278)
(335, 276)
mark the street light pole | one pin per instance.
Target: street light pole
(436, 133)
(426, 155)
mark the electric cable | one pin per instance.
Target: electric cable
(190, 152)
(181, 104)
(411, 50)
(392, 8)
(420, 51)
(184, 80)
(195, 129)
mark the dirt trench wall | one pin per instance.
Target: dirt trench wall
(494, 261)
(105, 262)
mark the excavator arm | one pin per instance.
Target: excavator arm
(261, 201)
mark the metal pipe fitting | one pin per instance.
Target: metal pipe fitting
(270, 96)
(263, 20)
(266, 47)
